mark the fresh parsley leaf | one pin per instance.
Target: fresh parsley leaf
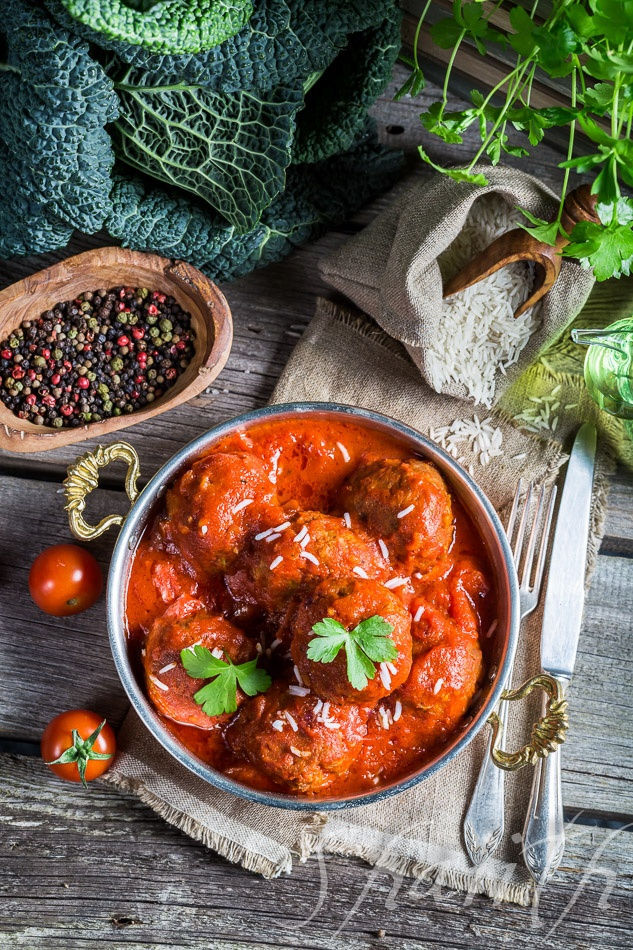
(457, 174)
(599, 98)
(368, 643)
(546, 231)
(220, 695)
(608, 250)
(623, 211)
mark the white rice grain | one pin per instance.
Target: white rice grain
(242, 505)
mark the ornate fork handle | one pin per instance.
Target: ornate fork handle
(484, 822)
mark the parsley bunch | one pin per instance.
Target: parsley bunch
(220, 694)
(591, 43)
(368, 643)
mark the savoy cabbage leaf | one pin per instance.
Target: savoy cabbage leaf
(167, 26)
(230, 150)
(336, 104)
(283, 42)
(56, 156)
(26, 226)
(316, 197)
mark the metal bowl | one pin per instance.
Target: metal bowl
(478, 507)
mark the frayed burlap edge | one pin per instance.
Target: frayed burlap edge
(315, 838)
(236, 853)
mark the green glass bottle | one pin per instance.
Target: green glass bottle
(609, 366)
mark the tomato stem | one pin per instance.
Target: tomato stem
(81, 752)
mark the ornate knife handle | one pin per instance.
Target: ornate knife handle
(544, 830)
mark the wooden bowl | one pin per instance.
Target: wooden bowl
(113, 267)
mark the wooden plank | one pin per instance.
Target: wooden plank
(49, 664)
(97, 867)
(54, 663)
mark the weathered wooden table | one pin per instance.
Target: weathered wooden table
(78, 868)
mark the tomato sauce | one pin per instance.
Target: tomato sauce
(188, 561)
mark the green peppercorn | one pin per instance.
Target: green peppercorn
(166, 324)
(116, 364)
(154, 332)
(58, 422)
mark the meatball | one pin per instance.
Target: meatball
(155, 574)
(184, 624)
(467, 586)
(406, 505)
(308, 548)
(444, 679)
(349, 602)
(214, 504)
(443, 608)
(298, 741)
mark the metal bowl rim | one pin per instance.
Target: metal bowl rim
(117, 581)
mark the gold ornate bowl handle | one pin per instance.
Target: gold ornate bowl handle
(549, 732)
(83, 477)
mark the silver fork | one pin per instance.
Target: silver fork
(484, 821)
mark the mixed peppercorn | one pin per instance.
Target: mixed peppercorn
(103, 354)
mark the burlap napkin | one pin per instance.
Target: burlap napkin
(394, 270)
(345, 358)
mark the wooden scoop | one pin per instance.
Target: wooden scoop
(518, 245)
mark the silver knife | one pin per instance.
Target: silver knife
(544, 834)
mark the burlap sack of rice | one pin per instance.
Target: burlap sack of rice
(470, 345)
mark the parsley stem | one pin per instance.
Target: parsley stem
(502, 114)
(449, 68)
(570, 148)
(416, 38)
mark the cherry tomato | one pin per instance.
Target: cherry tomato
(65, 579)
(78, 745)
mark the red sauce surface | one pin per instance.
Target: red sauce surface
(189, 564)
